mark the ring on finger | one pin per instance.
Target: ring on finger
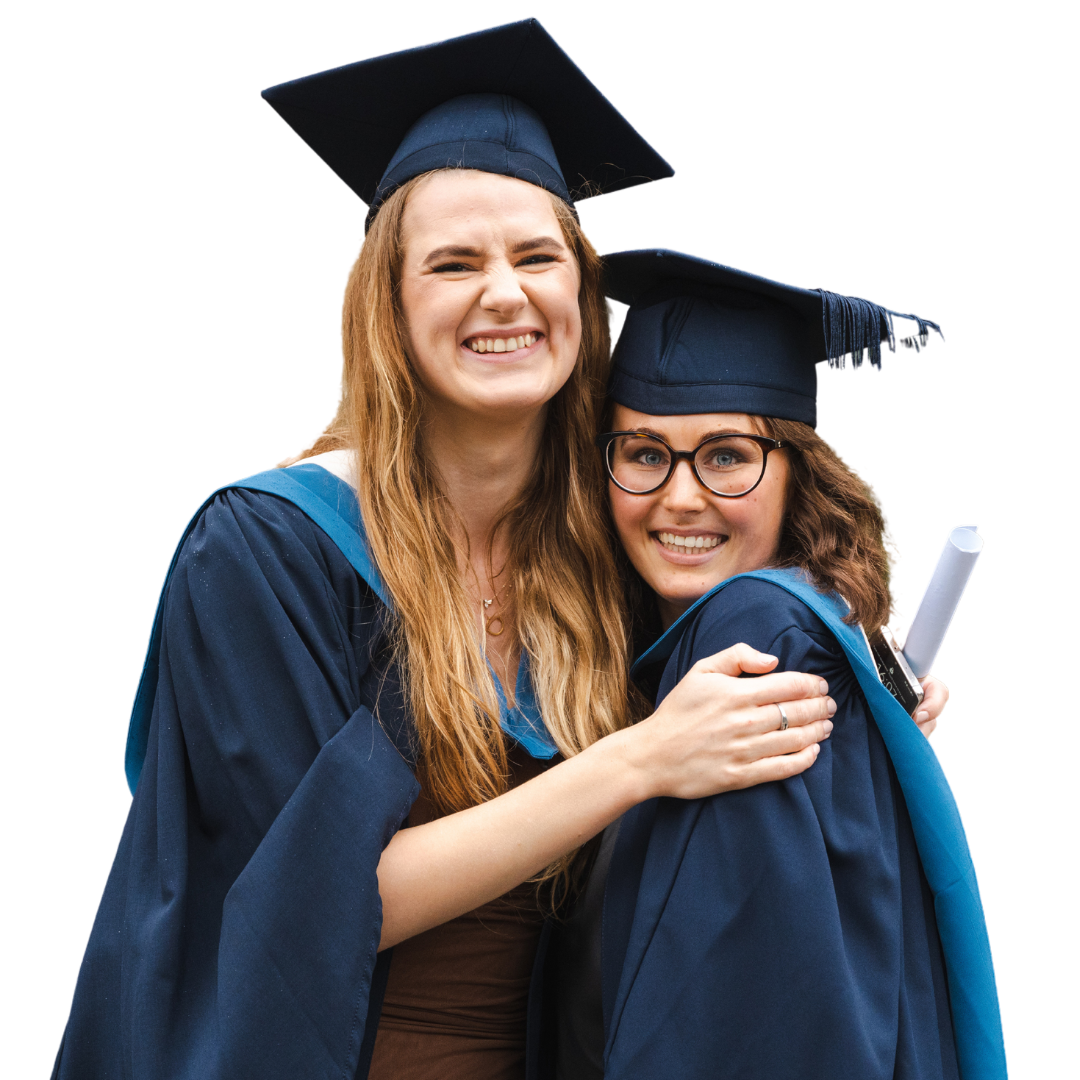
(783, 717)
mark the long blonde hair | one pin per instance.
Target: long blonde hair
(569, 609)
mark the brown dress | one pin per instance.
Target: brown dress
(456, 998)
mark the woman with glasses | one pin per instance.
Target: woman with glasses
(740, 524)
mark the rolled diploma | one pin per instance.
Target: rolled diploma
(942, 595)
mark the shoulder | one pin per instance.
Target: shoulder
(271, 502)
(763, 610)
(242, 539)
(236, 518)
(766, 617)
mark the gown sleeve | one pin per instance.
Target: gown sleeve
(785, 931)
(238, 931)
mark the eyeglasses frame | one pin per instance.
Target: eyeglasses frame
(769, 445)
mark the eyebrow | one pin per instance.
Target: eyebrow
(536, 242)
(454, 250)
(715, 433)
(459, 252)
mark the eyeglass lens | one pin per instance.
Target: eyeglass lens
(728, 465)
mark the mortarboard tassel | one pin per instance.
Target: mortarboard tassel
(853, 326)
(914, 340)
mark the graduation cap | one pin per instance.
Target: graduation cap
(704, 338)
(506, 100)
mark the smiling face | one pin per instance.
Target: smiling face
(683, 539)
(489, 291)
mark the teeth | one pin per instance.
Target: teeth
(688, 543)
(502, 344)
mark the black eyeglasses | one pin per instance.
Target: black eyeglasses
(728, 465)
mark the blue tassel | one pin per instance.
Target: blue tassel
(853, 326)
(916, 340)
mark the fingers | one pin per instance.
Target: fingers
(799, 713)
(736, 660)
(773, 756)
(722, 732)
(776, 768)
(777, 755)
(775, 743)
(783, 687)
(804, 697)
(935, 698)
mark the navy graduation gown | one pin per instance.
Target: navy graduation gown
(789, 930)
(238, 931)
(270, 758)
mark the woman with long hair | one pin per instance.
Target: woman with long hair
(740, 524)
(419, 623)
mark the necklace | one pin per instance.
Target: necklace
(489, 623)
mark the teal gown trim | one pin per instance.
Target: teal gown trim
(331, 503)
(935, 821)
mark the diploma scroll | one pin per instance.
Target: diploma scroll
(942, 597)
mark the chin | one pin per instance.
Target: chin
(515, 395)
(683, 598)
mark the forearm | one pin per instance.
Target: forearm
(714, 732)
(432, 873)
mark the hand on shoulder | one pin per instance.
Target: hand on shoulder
(717, 732)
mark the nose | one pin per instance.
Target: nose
(503, 294)
(683, 492)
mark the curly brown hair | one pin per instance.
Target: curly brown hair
(833, 526)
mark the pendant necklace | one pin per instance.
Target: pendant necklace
(495, 620)
(489, 623)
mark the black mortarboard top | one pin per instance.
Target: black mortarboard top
(704, 338)
(506, 100)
